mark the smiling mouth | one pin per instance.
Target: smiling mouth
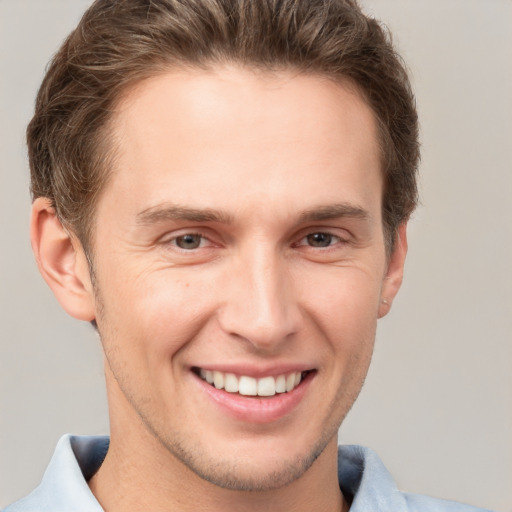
(250, 386)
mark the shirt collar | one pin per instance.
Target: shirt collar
(64, 486)
(366, 482)
(363, 479)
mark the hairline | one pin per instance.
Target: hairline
(108, 148)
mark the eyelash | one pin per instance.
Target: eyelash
(330, 236)
(174, 241)
(304, 241)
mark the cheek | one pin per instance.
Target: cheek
(152, 316)
(344, 309)
(344, 299)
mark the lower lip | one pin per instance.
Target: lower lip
(252, 409)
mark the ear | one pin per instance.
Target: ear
(61, 261)
(395, 271)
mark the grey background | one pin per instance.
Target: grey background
(437, 405)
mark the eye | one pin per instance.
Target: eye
(189, 241)
(320, 239)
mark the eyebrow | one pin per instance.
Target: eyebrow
(173, 212)
(334, 211)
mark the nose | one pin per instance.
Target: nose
(261, 304)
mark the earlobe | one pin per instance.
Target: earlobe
(395, 271)
(61, 261)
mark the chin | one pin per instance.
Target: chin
(256, 470)
(252, 475)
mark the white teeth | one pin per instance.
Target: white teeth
(218, 380)
(231, 383)
(249, 386)
(267, 386)
(290, 382)
(281, 384)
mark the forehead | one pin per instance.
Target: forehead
(229, 133)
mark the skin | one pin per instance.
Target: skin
(278, 179)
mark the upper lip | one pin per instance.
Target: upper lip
(256, 371)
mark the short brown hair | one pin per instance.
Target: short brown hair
(121, 42)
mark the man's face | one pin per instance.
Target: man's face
(239, 238)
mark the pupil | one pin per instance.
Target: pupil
(188, 241)
(319, 239)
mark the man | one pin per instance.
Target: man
(222, 190)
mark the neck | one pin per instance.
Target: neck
(131, 479)
(140, 473)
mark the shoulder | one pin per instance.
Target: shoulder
(364, 479)
(64, 484)
(420, 503)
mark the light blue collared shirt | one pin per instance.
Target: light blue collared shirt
(362, 476)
